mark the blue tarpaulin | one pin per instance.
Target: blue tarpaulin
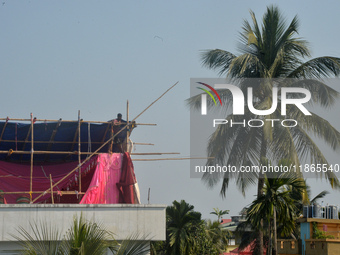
(54, 137)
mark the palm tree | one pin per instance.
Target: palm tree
(130, 246)
(180, 218)
(218, 236)
(302, 201)
(84, 237)
(276, 204)
(219, 213)
(44, 240)
(270, 52)
(87, 238)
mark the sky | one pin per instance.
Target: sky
(58, 57)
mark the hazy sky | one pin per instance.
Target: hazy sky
(58, 57)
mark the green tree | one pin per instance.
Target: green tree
(187, 233)
(180, 219)
(131, 246)
(276, 205)
(218, 236)
(302, 201)
(44, 240)
(87, 238)
(270, 51)
(219, 213)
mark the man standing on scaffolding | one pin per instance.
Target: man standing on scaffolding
(120, 139)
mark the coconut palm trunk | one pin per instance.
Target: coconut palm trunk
(275, 232)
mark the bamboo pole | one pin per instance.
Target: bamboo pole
(50, 143)
(159, 159)
(55, 142)
(74, 139)
(51, 189)
(144, 143)
(108, 140)
(79, 152)
(44, 192)
(87, 121)
(3, 129)
(153, 153)
(32, 145)
(128, 129)
(27, 136)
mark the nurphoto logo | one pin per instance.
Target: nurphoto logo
(238, 99)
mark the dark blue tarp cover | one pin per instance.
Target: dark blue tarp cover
(64, 136)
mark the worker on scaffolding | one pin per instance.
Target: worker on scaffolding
(120, 139)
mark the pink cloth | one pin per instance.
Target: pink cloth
(103, 188)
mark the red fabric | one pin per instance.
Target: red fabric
(16, 177)
(127, 180)
(103, 188)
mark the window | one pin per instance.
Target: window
(292, 244)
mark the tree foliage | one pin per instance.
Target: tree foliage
(188, 234)
(83, 238)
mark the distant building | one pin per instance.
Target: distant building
(319, 233)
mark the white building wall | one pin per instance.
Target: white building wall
(121, 219)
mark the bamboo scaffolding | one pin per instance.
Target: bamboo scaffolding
(87, 121)
(81, 153)
(88, 158)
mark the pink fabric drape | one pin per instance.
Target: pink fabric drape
(103, 188)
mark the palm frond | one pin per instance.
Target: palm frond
(317, 68)
(217, 59)
(321, 93)
(132, 245)
(322, 194)
(40, 239)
